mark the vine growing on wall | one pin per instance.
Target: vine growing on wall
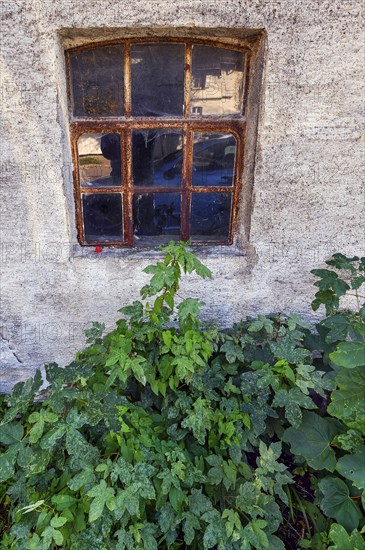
(168, 433)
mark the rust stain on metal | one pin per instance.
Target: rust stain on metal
(188, 123)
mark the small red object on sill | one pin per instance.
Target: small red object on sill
(98, 249)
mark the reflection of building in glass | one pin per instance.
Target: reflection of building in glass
(217, 81)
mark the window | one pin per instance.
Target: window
(157, 129)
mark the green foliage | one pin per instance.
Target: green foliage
(166, 433)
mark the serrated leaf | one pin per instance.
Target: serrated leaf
(336, 502)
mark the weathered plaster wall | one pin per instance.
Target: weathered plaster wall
(307, 200)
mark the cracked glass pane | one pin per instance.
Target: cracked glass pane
(157, 74)
(213, 160)
(157, 157)
(99, 160)
(216, 81)
(210, 216)
(156, 217)
(103, 217)
(97, 78)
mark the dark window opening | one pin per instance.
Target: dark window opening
(157, 134)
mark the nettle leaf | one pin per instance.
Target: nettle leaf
(343, 541)
(292, 401)
(353, 467)
(312, 440)
(336, 502)
(349, 355)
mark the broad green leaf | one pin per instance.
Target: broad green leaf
(63, 502)
(58, 521)
(336, 502)
(343, 541)
(353, 467)
(349, 355)
(347, 402)
(177, 498)
(312, 440)
(12, 433)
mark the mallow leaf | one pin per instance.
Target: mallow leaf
(312, 440)
(353, 467)
(349, 355)
(336, 502)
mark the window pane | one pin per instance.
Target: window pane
(99, 160)
(156, 217)
(213, 159)
(210, 216)
(97, 81)
(157, 73)
(157, 157)
(103, 219)
(217, 81)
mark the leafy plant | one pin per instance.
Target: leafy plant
(169, 433)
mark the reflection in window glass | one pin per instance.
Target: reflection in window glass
(157, 157)
(217, 81)
(210, 216)
(97, 81)
(99, 160)
(213, 160)
(103, 220)
(156, 215)
(157, 73)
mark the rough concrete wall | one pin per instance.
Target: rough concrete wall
(307, 200)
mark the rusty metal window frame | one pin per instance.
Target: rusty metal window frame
(188, 123)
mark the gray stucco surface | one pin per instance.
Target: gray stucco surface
(308, 196)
